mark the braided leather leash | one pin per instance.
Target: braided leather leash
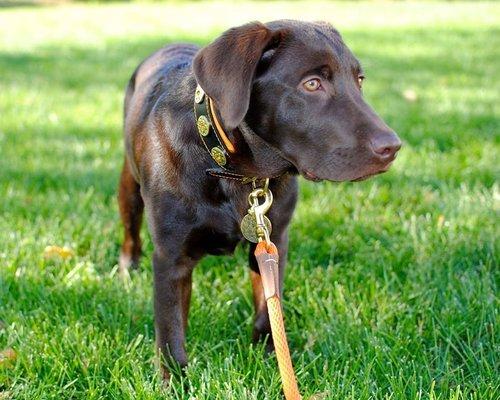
(267, 260)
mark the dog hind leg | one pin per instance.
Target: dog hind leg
(131, 210)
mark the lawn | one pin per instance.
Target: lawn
(392, 283)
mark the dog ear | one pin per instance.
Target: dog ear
(225, 69)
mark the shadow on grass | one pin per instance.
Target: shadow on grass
(77, 68)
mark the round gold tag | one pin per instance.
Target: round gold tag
(203, 125)
(218, 155)
(248, 227)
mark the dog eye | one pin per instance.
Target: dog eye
(361, 78)
(312, 84)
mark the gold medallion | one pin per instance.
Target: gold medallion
(218, 155)
(198, 95)
(203, 125)
(248, 227)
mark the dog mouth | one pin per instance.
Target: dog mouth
(382, 170)
(368, 176)
(310, 176)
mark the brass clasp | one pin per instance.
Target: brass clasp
(255, 226)
(259, 210)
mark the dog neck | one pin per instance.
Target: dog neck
(240, 154)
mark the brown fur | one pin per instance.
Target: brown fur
(255, 75)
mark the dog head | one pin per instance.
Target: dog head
(299, 87)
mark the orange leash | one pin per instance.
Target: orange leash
(267, 259)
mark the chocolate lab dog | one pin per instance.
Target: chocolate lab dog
(287, 96)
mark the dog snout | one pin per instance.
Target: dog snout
(385, 145)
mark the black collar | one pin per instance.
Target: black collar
(215, 140)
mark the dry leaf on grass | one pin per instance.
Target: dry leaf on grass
(7, 357)
(58, 252)
(410, 95)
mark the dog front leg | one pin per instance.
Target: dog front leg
(172, 290)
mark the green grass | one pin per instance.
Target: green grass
(391, 290)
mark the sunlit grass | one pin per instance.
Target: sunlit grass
(391, 290)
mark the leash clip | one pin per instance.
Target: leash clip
(259, 210)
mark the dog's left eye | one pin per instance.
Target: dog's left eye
(312, 84)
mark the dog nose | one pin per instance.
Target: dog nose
(385, 145)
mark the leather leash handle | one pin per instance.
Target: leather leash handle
(267, 260)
